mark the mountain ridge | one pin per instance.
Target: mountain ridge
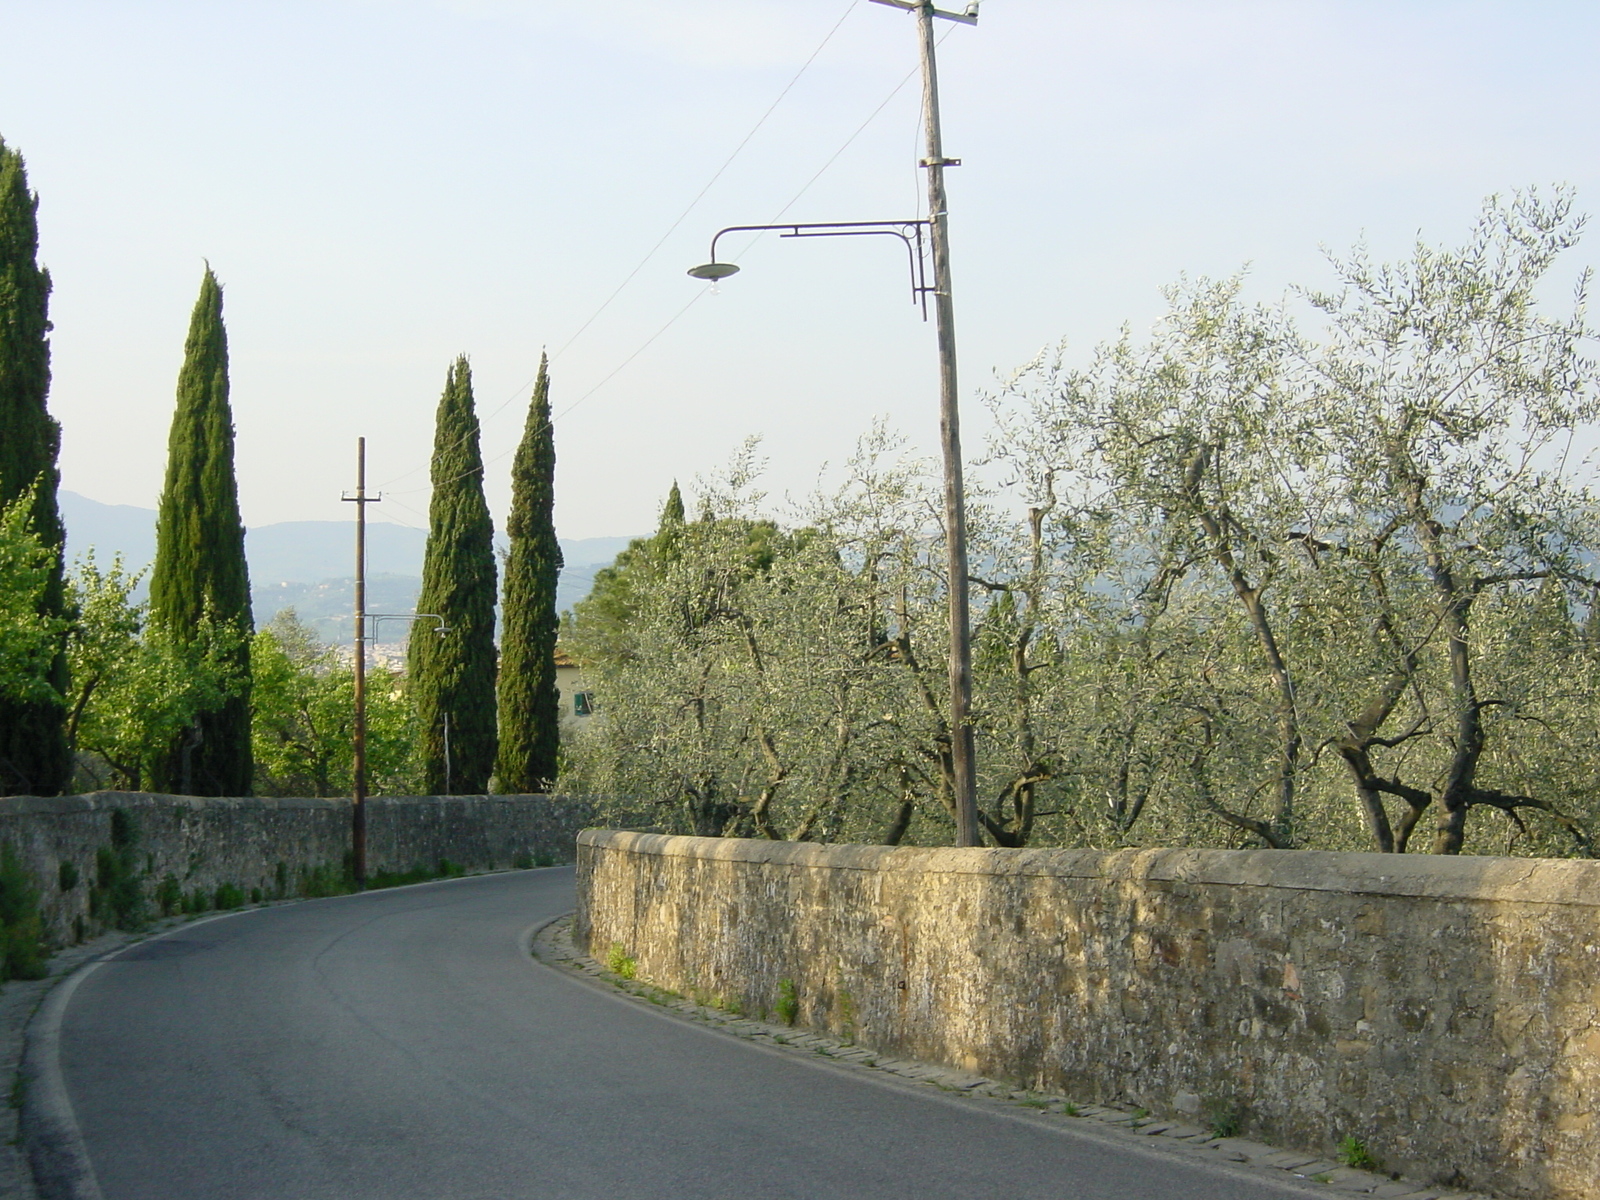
(308, 565)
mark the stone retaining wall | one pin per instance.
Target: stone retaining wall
(206, 842)
(1443, 1010)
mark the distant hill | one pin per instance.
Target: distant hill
(309, 565)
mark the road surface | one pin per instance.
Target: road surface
(402, 1044)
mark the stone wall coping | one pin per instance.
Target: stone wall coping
(1438, 876)
(13, 806)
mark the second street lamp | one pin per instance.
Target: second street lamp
(936, 227)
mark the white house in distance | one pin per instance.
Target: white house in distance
(577, 703)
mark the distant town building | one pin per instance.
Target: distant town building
(577, 702)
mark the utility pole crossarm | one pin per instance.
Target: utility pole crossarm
(970, 17)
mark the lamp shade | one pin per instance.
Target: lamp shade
(713, 270)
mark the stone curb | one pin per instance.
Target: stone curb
(552, 944)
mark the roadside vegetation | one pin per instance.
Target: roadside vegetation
(1321, 574)
(1318, 573)
(179, 692)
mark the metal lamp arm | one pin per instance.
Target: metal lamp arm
(908, 231)
(376, 618)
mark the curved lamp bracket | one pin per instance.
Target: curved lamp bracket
(909, 232)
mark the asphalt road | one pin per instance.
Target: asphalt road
(402, 1044)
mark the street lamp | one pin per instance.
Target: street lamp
(936, 226)
(912, 232)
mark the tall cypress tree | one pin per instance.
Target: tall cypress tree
(530, 705)
(672, 510)
(452, 675)
(200, 583)
(33, 742)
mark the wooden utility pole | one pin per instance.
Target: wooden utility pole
(358, 724)
(964, 780)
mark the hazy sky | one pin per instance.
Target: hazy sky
(383, 184)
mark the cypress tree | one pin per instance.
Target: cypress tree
(200, 583)
(530, 705)
(452, 675)
(672, 510)
(34, 757)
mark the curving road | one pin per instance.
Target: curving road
(402, 1044)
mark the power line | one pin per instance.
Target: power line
(673, 320)
(837, 154)
(671, 229)
(645, 345)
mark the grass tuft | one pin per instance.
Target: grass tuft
(620, 962)
(1354, 1153)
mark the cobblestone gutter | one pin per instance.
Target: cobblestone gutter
(1441, 1015)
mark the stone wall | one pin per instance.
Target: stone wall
(205, 842)
(1443, 1010)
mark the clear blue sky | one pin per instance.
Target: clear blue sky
(382, 184)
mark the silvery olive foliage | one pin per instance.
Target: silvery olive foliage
(1318, 574)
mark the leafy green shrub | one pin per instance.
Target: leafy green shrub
(521, 861)
(197, 901)
(22, 948)
(169, 895)
(255, 895)
(117, 898)
(67, 876)
(326, 879)
(389, 879)
(229, 896)
(788, 1006)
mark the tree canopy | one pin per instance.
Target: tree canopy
(1322, 573)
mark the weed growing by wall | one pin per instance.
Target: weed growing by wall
(117, 899)
(788, 1005)
(22, 948)
(620, 962)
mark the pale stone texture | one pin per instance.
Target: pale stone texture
(205, 842)
(1443, 1010)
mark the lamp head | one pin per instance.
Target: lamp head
(713, 271)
